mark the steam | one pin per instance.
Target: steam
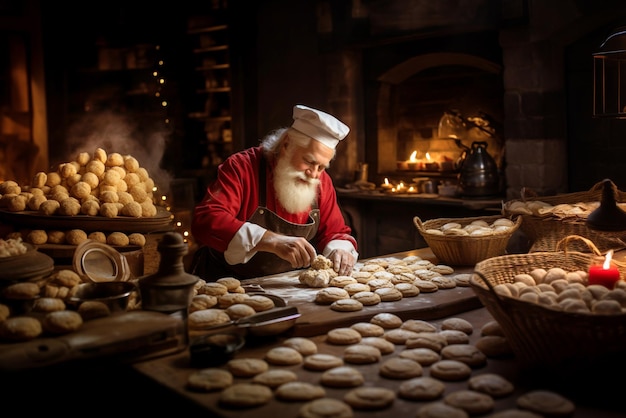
(117, 133)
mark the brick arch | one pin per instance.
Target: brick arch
(414, 65)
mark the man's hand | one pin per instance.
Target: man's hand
(343, 261)
(295, 250)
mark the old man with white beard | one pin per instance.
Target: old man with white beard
(273, 208)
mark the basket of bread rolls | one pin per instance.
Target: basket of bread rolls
(553, 313)
(466, 241)
(548, 219)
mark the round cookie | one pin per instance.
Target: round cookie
(208, 380)
(400, 368)
(472, 402)
(491, 328)
(426, 286)
(342, 377)
(386, 320)
(321, 361)
(325, 408)
(231, 283)
(342, 281)
(299, 391)
(354, 288)
(454, 336)
(207, 318)
(424, 356)
(343, 336)
(21, 290)
(239, 310)
(369, 398)
(408, 290)
(458, 324)
(442, 269)
(328, 295)
(62, 322)
(367, 329)
(46, 304)
(432, 340)
(361, 354)
(440, 410)
(229, 299)
(346, 305)
(283, 356)
(399, 336)
(385, 346)
(259, 303)
(423, 388)
(546, 403)
(367, 298)
(91, 309)
(492, 384)
(467, 353)
(304, 346)
(275, 377)
(462, 279)
(389, 294)
(213, 289)
(20, 328)
(245, 395)
(444, 282)
(450, 370)
(418, 325)
(246, 367)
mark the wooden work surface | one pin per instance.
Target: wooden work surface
(317, 319)
(171, 372)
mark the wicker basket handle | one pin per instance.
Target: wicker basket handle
(418, 223)
(562, 244)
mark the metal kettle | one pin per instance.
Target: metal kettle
(479, 172)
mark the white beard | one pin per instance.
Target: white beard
(294, 195)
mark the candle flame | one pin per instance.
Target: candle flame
(386, 180)
(607, 260)
(428, 156)
(413, 156)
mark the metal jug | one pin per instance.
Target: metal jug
(479, 172)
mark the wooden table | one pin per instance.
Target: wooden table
(171, 372)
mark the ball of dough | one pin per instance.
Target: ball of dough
(108, 210)
(109, 197)
(111, 177)
(98, 236)
(142, 173)
(100, 155)
(69, 207)
(132, 209)
(90, 207)
(138, 191)
(75, 236)
(17, 203)
(80, 190)
(96, 167)
(9, 187)
(37, 237)
(56, 237)
(91, 179)
(83, 158)
(49, 207)
(53, 179)
(118, 238)
(131, 164)
(114, 159)
(148, 208)
(137, 239)
(67, 170)
(39, 180)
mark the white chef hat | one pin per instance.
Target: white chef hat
(319, 125)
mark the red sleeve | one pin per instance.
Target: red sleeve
(332, 223)
(229, 201)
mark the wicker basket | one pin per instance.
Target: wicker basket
(546, 231)
(465, 250)
(543, 338)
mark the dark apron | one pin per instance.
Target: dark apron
(210, 264)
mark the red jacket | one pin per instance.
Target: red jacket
(234, 196)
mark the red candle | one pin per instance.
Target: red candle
(606, 275)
